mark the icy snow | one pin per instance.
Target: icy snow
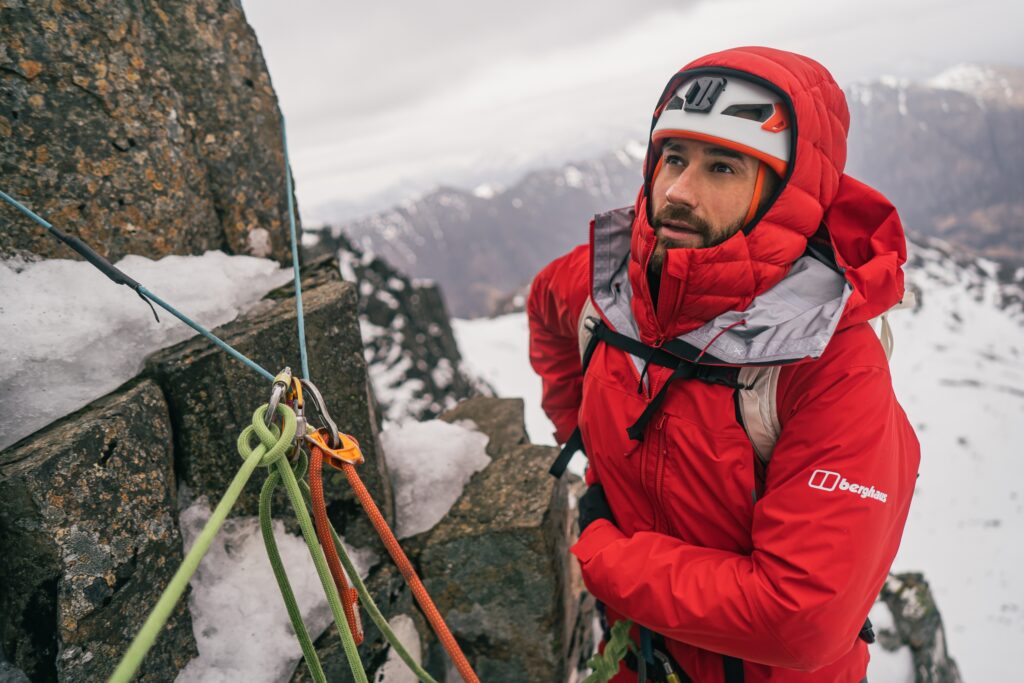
(430, 463)
(394, 669)
(70, 335)
(238, 616)
(886, 666)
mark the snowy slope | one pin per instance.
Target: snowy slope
(959, 373)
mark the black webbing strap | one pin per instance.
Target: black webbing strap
(575, 443)
(681, 369)
(867, 632)
(733, 669)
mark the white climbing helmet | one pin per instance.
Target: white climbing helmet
(730, 111)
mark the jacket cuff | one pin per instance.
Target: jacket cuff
(595, 537)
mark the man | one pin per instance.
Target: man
(741, 547)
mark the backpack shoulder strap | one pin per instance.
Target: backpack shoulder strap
(584, 333)
(757, 400)
(758, 407)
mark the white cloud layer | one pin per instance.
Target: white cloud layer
(387, 99)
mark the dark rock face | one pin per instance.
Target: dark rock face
(90, 538)
(414, 363)
(919, 626)
(212, 398)
(497, 567)
(148, 129)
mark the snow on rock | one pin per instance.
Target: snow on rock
(394, 669)
(888, 666)
(430, 463)
(238, 616)
(70, 335)
(975, 80)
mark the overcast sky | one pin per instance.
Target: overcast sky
(387, 99)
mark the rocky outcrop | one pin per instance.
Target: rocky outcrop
(90, 537)
(147, 128)
(212, 396)
(498, 564)
(918, 625)
(414, 363)
(497, 567)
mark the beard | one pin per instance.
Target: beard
(709, 236)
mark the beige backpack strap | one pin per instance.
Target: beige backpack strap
(759, 408)
(583, 332)
(885, 330)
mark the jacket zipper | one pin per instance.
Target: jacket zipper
(651, 467)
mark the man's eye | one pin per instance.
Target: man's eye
(722, 168)
(673, 159)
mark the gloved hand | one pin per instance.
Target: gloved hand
(593, 506)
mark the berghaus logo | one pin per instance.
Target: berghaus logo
(824, 480)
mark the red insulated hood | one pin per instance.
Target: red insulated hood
(865, 232)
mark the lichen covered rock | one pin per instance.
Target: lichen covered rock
(90, 538)
(144, 129)
(918, 624)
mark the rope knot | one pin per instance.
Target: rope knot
(274, 441)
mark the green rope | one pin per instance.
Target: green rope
(284, 472)
(605, 665)
(301, 634)
(270, 450)
(370, 605)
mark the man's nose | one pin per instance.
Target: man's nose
(683, 190)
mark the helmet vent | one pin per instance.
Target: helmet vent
(753, 112)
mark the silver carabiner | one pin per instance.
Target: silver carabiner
(281, 384)
(321, 408)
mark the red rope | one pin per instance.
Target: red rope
(349, 596)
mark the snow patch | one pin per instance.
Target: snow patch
(430, 464)
(394, 669)
(239, 620)
(71, 335)
(487, 191)
(888, 666)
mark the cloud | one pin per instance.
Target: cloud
(384, 96)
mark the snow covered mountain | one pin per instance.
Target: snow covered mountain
(949, 152)
(958, 369)
(479, 245)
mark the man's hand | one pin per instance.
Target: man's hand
(593, 506)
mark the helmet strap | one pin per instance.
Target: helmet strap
(755, 199)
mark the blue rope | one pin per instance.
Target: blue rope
(120, 278)
(295, 252)
(206, 333)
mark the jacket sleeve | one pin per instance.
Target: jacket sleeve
(823, 538)
(557, 296)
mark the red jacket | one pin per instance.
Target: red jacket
(783, 583)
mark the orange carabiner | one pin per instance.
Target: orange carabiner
(347, 453)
